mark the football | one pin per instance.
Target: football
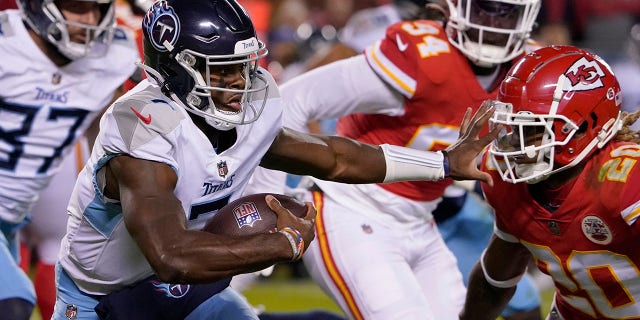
(250, 215)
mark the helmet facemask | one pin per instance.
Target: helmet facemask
(201, 67)
(97, 38)
(525, 147)
(491, 32)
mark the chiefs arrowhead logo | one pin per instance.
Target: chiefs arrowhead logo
(583, 75)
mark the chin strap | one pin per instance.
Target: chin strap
(151, 72)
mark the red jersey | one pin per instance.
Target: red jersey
(438, 85)
(588, 245)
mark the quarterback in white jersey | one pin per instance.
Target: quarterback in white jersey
(149, 127)
(61, 65)
(181, 145)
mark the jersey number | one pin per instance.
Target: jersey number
(13, 137)
(430, 45)
(619, 167)
(207, 207)
(609, 279)
(434, 137)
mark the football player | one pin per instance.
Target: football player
(182, 144)
(62, 63)
(566, 190)
(40, 239)
(378, 251)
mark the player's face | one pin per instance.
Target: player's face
(496, 15)
(231, 76)
(513, 138)
(85, 12)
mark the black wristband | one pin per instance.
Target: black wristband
(445, 163)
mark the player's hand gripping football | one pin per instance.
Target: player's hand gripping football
(306, 225)
(463, 153)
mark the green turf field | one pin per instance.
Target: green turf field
(283, 295)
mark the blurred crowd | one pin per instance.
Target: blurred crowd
(298, 32)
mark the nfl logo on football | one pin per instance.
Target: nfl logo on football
(246, 214)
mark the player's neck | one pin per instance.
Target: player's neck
(552, 192)
(563, 177)
(483, 71)
(49, 49)
(220, 140)
(490, 77)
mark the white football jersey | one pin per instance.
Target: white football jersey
(97, 251)
(44, 108)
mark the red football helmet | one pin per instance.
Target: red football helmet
(558, 104)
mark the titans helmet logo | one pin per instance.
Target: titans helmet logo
(175, 291)
(162, 26)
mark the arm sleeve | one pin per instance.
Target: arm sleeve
(341, 88)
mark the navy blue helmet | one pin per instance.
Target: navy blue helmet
(184, 39)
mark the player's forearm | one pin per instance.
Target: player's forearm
(330, 158)
(484, 301)
(347, 160)
(400, 164)
(206, 257)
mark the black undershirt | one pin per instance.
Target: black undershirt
(220, 140)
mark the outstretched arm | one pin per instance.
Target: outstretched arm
(492, 286)
(345, 160)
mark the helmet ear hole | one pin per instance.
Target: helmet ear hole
(594, 119)
(582, 129)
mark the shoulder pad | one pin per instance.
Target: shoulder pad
(143, 116)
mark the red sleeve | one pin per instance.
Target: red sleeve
(620, 173)
(411, 51)
(8, 4)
